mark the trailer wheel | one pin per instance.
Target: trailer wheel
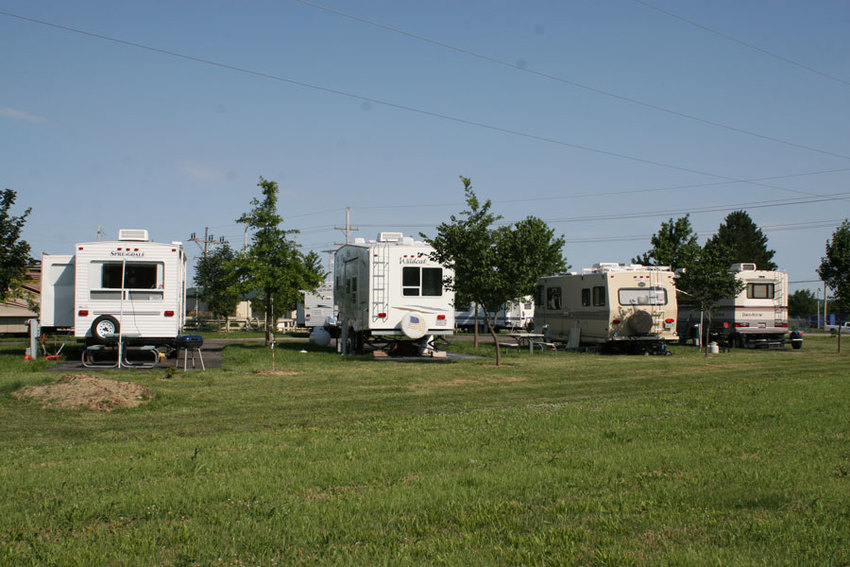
(103, 327)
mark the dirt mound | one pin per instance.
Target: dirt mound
(87, 391)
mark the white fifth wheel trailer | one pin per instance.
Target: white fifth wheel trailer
(514, 315)
(131, 286)
(615, 307)
(316, 308)
(756, 317)
(391, 290)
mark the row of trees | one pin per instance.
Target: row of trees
(493, 263)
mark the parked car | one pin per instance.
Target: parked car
(835, 329)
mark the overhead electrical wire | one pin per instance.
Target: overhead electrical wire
(596, 90)
(388, 104)
(743, 43)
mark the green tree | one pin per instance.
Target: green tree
(834, 268)
(708, 280)
(14, 252)
(215, 276)
(675, 245)
(495, 265)
(744, 241)
(802, 303)
(273, 268)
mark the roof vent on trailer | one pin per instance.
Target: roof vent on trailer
(133, 234)
(744, 267)
(390, 236)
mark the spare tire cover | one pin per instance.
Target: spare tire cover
(414, 326)
(640, 322)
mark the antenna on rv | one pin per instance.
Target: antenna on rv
(348, 228)
(99, 233)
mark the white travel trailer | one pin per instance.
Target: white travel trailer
(756, 317)
(130, 286)
(390, 289)
(316, 308)
(515, 315)
(616, 307)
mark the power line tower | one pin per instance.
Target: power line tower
(348, 228)
(208, 241)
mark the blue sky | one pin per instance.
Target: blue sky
(603, 118)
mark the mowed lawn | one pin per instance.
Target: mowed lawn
(741, 458)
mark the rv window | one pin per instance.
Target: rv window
(599, 296)
(553, 298)
(760, 291)
(136, 275)
(410, 281)
(585, 297)
(422, 281)
(540, 299)
(432, 281)
(643, 296)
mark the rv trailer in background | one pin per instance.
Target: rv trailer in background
(757, 317)
(615, 307)
(514, 315)
(130, 286)
(316, 308)
(390, 290)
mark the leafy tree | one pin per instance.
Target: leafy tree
(802, 303)
(14, 252)
(214, 274)
(495, 265)
(708, 279)
(834, 268)
(675, 245)
(744, 241)
(314, 264)
(272, 267)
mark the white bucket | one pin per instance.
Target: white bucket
(713, 348)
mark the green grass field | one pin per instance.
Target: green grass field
(741, 458)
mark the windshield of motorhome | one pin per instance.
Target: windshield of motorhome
(643, 296)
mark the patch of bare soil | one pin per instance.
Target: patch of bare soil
(278, 373)
(87, 391)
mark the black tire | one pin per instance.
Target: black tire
(103, 327)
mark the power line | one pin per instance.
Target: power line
(743, 43)
(576, 84)
(388, 104)
(633, 237)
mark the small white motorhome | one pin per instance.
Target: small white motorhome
(514, 316)
(390, 289)
(316, 308)
(130, 286)
(756, 317)
(616, 307)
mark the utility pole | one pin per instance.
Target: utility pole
(348, 228)
(208, 242)
(330, 254)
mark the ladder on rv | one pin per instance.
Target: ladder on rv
(380, 279)
(780, 313)
(656, 307)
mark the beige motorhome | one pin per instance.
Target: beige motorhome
(616, 307)
(756, 317)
